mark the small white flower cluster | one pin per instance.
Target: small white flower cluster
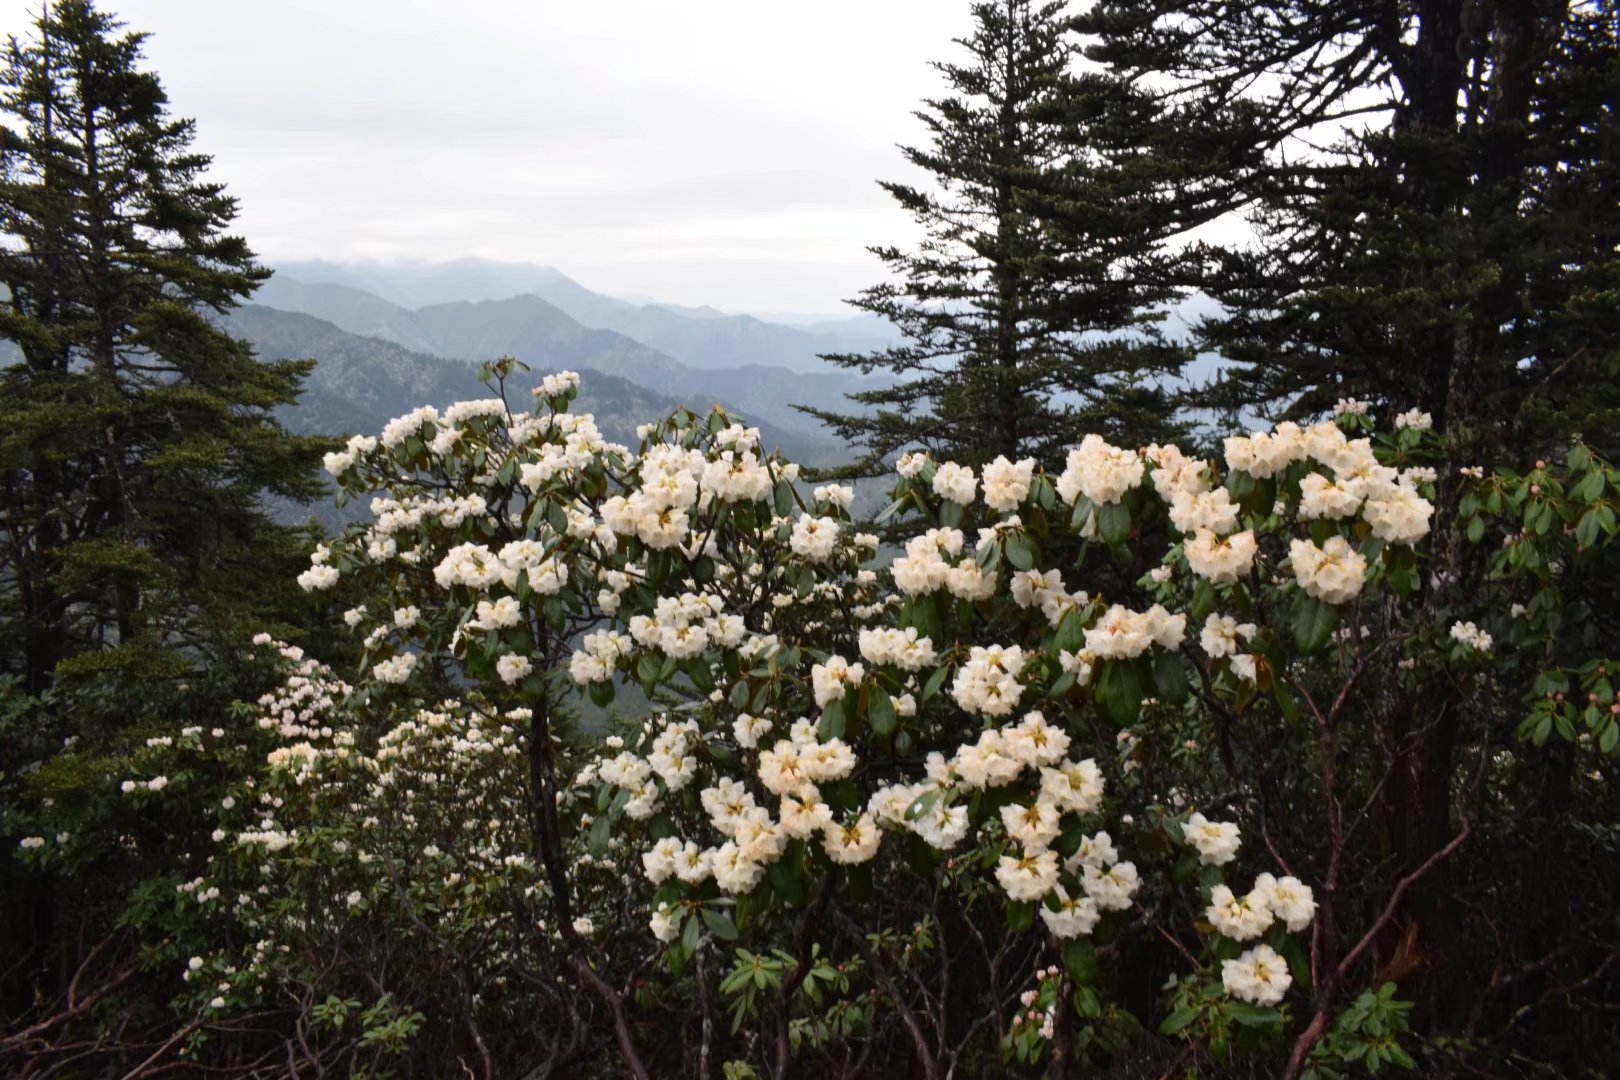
(599, 656)
(737, 474)
(564, 446)
(1224, 637)
(658, 510)
(841, 496)
(1007, 483)
(1471, 636)
(988, 684)
(1349, 406)
(1259, 976)
(1122, 633)
(557, 384)
(1099, 472)
(955, 483)
(904, 649)
(395, 669)
(1244, 918)
(814, 538)
(397, 430)
(1333, 573)
(1044, 589)
(684, 626)
(321, 575)
(341, 461)
(925, 568)
(1217, 842)
(830, 680)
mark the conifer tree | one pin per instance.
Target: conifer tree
(1020, 333)
(138, 446)
(1430, 186)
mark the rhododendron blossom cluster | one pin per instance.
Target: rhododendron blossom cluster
(825, 710)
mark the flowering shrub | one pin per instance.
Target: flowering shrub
(1001, 752)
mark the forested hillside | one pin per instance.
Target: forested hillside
(540, 333)
(359, 383)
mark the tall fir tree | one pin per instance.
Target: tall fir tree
(1430, 186)
(139, 446)
(1020, 334)
(139, 454)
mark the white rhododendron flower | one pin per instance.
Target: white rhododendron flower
(1333, 573)
(1029, 876)
(988, 682)
(1289, 899)
(1399, 514)
(830, 680)
(1471, 636)
(664, 924)
(1321, 497)
(1073, 786)
(955, 483)
(1073, 917)
(910, 464)
(747, 730)
(1221, 559)
(1110, 887)
(1007, 483)
(1212, 511)
(1259, 976)
(1241, 918)
(512, 668)
(905, 649)
(1100, 472)
(1224, 636)
(318, 578)
(1217, 841)
(396, 669)
(839, 495)
(1122, 634)
(852, 842)
(814, 538)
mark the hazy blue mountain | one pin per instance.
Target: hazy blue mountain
(714, 340)
(415, 284)
(350, 308)
(360, 383)
(541, 333)
(321, 272)
(873, 328)
(702, 337)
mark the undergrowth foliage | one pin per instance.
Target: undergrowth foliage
(1080, 772)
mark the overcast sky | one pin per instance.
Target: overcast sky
(694, 151)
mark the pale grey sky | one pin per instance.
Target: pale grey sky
(695, 151)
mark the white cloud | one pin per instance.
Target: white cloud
(707, 151)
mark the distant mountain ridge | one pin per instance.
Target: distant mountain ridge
(699, 337)
(360, 383)
(542, 334)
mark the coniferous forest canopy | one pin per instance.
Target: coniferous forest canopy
(1169, 628)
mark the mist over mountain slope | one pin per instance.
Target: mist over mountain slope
(542, 334)
(697, 336)
(412, 284)
(360, 383)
